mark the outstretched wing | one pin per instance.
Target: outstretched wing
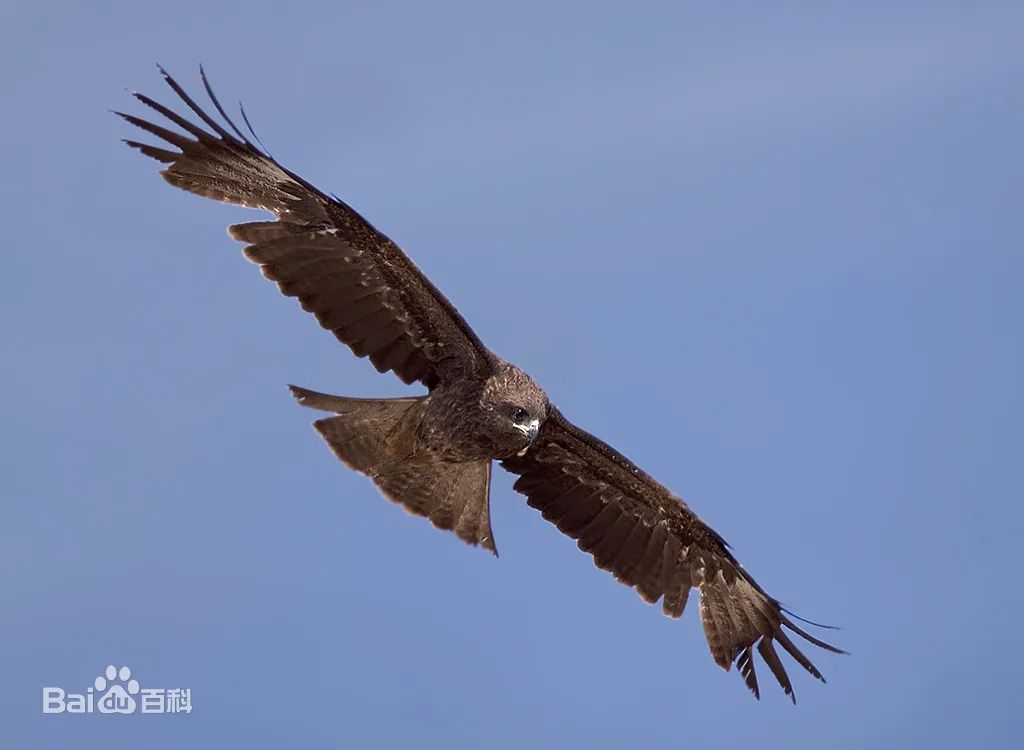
(650, 540)
(356, 281)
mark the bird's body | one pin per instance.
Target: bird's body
(433, 453)
(469, 420)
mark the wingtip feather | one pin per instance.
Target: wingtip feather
(161, 155)
(807, 636)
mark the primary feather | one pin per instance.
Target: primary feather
(432, 454)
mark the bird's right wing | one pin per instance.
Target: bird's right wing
(650, 540)
(356, 281)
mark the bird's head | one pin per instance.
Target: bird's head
(515, 408)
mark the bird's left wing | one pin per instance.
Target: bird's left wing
(650, 540)
(356, 281)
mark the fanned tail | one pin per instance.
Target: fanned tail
(376, 437)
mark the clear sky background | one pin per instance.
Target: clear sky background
(770, 251)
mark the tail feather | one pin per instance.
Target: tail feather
(383, 409)
(452, 496)
(376, 437)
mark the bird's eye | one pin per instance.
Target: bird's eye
(518, 414)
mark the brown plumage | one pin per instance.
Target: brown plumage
(432, 454)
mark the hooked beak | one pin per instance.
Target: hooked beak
(530, 430)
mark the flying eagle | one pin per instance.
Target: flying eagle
(432, 454)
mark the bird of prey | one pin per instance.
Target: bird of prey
(432, 453)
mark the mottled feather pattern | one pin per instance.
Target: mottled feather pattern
(432, 454)
(650, 540)
(371, 436)
(320, 250)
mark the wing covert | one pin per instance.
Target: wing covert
(353, 279)
(650, 540)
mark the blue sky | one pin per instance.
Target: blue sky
(771, 252)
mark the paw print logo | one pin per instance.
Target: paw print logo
(118, 698)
